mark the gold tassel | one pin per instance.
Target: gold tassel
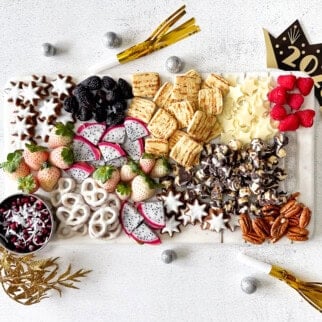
(161, 37)
(310, 291)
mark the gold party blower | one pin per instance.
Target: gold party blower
(160, 38)
(310, 291)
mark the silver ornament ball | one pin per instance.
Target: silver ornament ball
(48, 49)
(248, 285)
(174, 64)
(168, 256)
(112, 40)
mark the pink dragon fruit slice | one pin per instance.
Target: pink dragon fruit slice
(144, 234)
(153, 212)
(111, 151)
(92, 131)
(85, 150)
(118, 163)
(130, 218)
(80, 171)
(134, 148)
(114, 134)
(135, 128)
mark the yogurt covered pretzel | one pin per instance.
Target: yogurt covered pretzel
(113, 201)
(71, 199)
(104, 223)
(74, 210)
(75, 216)
(65, 185)
(93, 194)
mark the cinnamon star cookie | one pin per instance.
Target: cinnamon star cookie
(172, 202)
(171, 226)
(196, 211)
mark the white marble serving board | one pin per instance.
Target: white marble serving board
(299, 164)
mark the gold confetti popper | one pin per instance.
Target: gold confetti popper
(310, 291)
(160, 38)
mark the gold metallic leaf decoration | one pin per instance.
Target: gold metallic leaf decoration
(27, 280)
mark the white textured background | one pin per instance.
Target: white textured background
(130, 283)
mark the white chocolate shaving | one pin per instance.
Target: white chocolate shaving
(246, 112)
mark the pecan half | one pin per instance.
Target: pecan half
(253, 238)
(305, 217)
(296, 237)
(270, 207)
(293, 211)
(269, 219)
(293, 221)
(245, 223)
(274, 212)
(288, 205)
(270, 210)
(298, 230)
(294, 196)
(261, 227)
(279, 228)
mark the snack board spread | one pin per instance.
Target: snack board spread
(232, 173)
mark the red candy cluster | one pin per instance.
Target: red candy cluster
(287, 103)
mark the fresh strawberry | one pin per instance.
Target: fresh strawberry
(161, 168)
(295, 101)
(290, 123)
(147, 162)
(305, 85)
(306, 117)
(278, 95)
(143, 188)
(107, 177)
(15, 166)
(48, 176)
(278, 112)
(123, 190)
(286, 81)
(129, 171)
(28, 184)
(62, 157)
(61, 134)
(35, 156)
